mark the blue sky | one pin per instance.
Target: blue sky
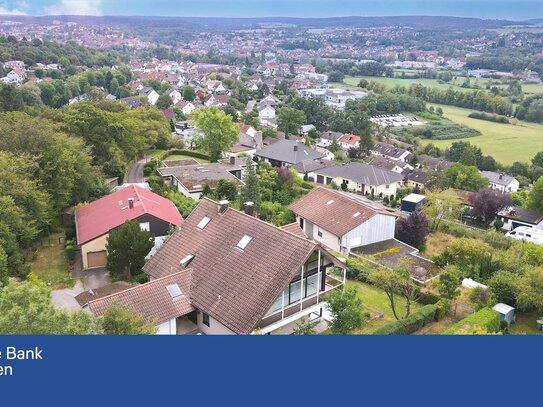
(503, 9)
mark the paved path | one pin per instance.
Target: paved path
(135, 174)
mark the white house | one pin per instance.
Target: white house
(501, 182)
(514, 216)
(186, 107)
(151, 95)
(341, 222)
(175, 95)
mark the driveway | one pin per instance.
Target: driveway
(85, 280)
(135, 174)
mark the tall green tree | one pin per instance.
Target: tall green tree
(118, 319)
(219, 131)
(250, 191)
(465, 177)
(346, 310)
(189, 94)
(289, 120)
(535, 198)
(127, 247)
(395, 283)
(26, 309)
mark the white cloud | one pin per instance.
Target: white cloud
(76, 7)
(8, 9)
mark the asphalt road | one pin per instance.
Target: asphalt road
(135, 174)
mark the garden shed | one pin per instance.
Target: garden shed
(413, 202)
(507, 312)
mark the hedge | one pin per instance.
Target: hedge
(428, 298)
(484, 319)
(189, 153)
(411, 324)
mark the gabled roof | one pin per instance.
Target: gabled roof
(499, 179)
(362, 173)
(235, 286)
(333, 211)
(389, 150)
(152, 300)
(284, 151)
(99, 217)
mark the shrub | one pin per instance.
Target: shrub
(498, 224)
(482, 320)
(442, 309)
(358, 269)
(411, 324)
(489, 117)
(428, 298)
(70, 252)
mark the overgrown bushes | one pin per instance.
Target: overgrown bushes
(482, 321)
(489, 117)
(411, 324)
(442, 308)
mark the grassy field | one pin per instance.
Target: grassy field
(185, 157)
(375, 299)
(507, 143)
(528, 88)
(525, 323)
(50, 263)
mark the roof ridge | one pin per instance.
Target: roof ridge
(141, 285)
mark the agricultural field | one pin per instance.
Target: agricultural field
(528, 88)
(507, 143)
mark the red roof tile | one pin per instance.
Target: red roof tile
(152, 300)
(99, 217)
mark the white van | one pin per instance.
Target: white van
(527, 233)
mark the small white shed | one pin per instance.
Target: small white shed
(507, 312)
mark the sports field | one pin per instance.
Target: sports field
(507, 143)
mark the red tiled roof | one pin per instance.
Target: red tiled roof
(152, 300)
(349, 139)
(294, 228)
(99, 217)
(332, 211)
(236, 287)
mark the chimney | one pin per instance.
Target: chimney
(296, 146)
(249, 208)
(223, 205)
(131, 203)
(501, 176)
(232, 160)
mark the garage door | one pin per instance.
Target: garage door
(97, 259)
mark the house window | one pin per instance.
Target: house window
(319, 232)
(205, 318)
(145, 226)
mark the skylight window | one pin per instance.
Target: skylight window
(331, 201)
(186, 260)
(203, 223)
(244, 242)
(356, 214)
(174, 290)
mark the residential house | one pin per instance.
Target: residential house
(395, 166)
(515, 216)
(342, 222)
(391, 152)
(347, 141)
(134, 102)
(432, 163)
(226, 272)
(186, 107)
(501, 182)
(418, 179)
(95, 221)
(174, 95)
(286, 153)
(149, 93)
(327, 138)
(191, 179)
(248, 143)
(266, 114)
(362, 178)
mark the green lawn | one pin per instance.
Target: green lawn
(375, 299)
(525, 323)
(507, 143)
(185, 157)
(154, 152)
(50, 263)
(528, 88)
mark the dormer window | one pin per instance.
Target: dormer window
(356, 214)
(330, 202)
(203, 223)
(244, 242)
(186, 260)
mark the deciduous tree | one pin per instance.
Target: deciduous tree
(219, 131)
(346, 310)
(118, 319)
